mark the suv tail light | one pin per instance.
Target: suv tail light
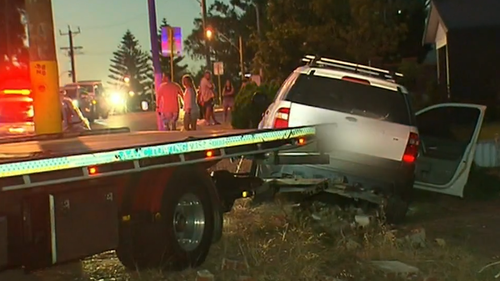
(281, 119)
(411, 151)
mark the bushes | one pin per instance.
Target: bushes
(245, 114)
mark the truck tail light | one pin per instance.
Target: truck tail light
(411, 151)
(209, 154)
(281, 119)
(92, 170)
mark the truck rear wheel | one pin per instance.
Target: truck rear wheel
(182, 233)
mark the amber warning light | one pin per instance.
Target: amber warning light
(92, 170)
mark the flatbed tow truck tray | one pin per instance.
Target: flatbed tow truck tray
(11, 152)
(36, 163)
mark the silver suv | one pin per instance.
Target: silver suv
(380, 145)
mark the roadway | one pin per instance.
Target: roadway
(146, 121)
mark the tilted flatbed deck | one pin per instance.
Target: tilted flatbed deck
(12, 152)
(64, 160)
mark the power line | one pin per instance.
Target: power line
(71, 49)
(117, 23)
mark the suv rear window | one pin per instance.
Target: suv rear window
(349, 97)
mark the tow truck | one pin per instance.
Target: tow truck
(146, 195)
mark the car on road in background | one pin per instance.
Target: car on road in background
(16, 114)
(89, 96)
(379, 144)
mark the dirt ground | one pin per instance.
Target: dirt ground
(471, 225)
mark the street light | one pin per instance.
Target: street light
(209, 34)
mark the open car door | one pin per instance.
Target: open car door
(448, 134)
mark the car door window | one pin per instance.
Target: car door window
(446, 131)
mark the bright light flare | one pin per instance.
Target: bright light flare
(209, 33)
(116, 99)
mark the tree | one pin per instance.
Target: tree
(12, 33)
(130, 66)
(179, 68)
(373, 29)
(229, 21)
(355, 30)
(414, 14)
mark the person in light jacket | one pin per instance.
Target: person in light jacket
(191, 110)
(168, 108)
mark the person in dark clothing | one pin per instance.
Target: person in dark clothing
(228, 99)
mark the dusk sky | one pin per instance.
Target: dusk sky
(103, 23)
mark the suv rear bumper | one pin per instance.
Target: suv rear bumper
(367, 171)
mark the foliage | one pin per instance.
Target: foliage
(12, 33)
(132, 62)
(372, 29)
(245, 115)
(229, 21)
(411, 71)
(179, 68)
(357, 30)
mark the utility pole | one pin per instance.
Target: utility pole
(207, 46)
(43, 67)
(257, 17)
(242, 62)
(71, 50)
(155, 49)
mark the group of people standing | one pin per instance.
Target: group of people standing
(197, 104)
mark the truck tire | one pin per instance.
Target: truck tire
(181, 234)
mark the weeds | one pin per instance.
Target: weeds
(276, 242)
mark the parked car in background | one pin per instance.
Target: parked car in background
(16, 114)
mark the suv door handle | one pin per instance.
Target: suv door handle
(351, 119)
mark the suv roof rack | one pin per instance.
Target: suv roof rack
(318, 61)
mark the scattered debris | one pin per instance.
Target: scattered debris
(394, 269)
(440, 242)
(363, 220)
(417, 238)
(204, 275)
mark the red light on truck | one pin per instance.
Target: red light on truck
(92, 170)
(301, 141)
(17, 92)
(209, 153)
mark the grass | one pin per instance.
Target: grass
(282, 243)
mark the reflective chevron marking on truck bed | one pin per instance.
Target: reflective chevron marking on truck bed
(130, 154)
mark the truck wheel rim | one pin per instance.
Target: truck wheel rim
(189, 222)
